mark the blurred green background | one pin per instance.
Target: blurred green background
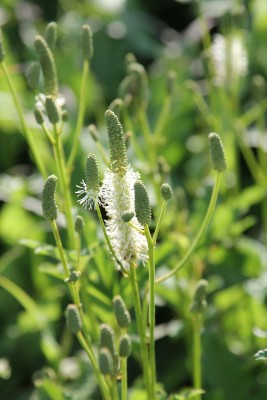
(163, 35)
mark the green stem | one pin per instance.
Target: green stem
(62, 256)
(201, 231)
(101, 382)
(162, 211)
(162, 119)
(140, 327)
(152, 317)
(115, 394)
(108, 242)
(27, 132)
(124, 378)
(197, 356)
(80, 118)
(60, 160)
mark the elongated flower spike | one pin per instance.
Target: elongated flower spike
(73, 318)
(87, 42)
(141, 203)
(33, 75)
(107, 340)
(125, 346)
(2, 51)
(51, 110)
(217, 153)
(117, 146)
(121, 313)
(105, 361)
(89, 187)
(79, 224)
(51, 34)
(48, 66)
(48, 198)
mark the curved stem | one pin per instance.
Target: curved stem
(27, 132)
(162, 211)
(82, 104)
(200, 233)
(140, 327)
(102, 384)
(151, 311)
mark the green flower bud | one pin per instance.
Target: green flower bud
(2, 51)
(141, 86)
(117, 146)
(126, 216)
(73, 278)
(51, 34)
(38, 116)
(105, 361)
(87, 42)
(48, 66)
(121, 313)
(125, 346)
(141, 203)
(33, 75)
(93, 132)
(166, 191)
(48, 198)
(199, 301)
(74, 323)
(51, 110)
(64, 115)
(79, 224)
(116, 106)
(217, 153)
(107, 340)
(91, 172)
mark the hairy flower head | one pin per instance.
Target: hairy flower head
(229, 57)
(117, 196)
(89, 187)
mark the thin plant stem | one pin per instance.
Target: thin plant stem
(58, 241)
(26, 130)
(108, 241)
(152, 317)
(60, 160)
(124, 378)
(201, 231)
(197, 379)
(78, 250)
(162, 119)
(149, 142)
(141, 328)
(162, 211)
(115, 394)
(82, 105)
(101, 382)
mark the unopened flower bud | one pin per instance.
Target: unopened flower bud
(73, 318)
(105, 361)
(48, 198)
(141, 203)
(91, 172)
(87, 42)
(217, 153)
(125, 346)
(121, 313)
(93, 132)
(126, 216)
(51, 34)
(33, 75)
(166, 191)
(48, 66)
(51, 110)
(38, 116)
(79, 224)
